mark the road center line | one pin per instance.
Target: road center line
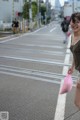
(60, 108)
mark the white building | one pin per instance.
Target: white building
(8, 9)
(57, 5)
(68, 9)
(76, 4)
(71, 6)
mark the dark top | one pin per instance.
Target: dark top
(65, 26)
(16, 24)
(75, 49)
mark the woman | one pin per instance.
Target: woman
(75, 49)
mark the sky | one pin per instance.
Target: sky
(53, 1)
(61, 1)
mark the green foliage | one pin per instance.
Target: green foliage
(26, 10)
(34, 6)
(43, 10)
(48, 19)
(34, 9)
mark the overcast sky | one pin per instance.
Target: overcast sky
(53, 1)
(61, 1)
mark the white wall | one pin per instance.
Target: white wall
(77, 5)
(68, 9)
(6, 9)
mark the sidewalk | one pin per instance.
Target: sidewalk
(71, 111)
(5, 33)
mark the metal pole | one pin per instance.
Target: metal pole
(12, 9)
(30, 13)
(38, 3)
(73, 6)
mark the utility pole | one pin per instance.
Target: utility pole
(30, 13)
(73, 6)
(47, 12)
(38, 3)
(12, 9)
(47, 2)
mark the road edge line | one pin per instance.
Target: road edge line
(61, 101)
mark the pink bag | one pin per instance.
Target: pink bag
(67, 84)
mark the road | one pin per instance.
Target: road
(32, 68)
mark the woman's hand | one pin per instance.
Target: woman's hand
(70, 71)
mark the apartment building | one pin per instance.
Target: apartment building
(9, 9)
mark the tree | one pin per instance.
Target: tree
(34, 9)
(43, 10)
(26, 10)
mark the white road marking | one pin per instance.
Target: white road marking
(15, 37)
(31, 77)
(6, 37)
(8, 40)
(39, 29)
(60, 108)
(24, 34)
(43, 46)
(52, 29)
(57, 62)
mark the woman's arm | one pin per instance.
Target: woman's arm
(71, 69)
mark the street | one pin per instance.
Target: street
(32, 68)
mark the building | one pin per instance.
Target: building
(68, 9)
(76, 4)
(9, 9)
(57, 5)
(57, 9)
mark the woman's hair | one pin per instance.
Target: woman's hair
(75, 17)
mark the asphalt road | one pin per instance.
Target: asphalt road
(32, 68)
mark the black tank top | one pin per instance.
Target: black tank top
(75, 49)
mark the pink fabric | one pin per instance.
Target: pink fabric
(68, 34)
(67, 84)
